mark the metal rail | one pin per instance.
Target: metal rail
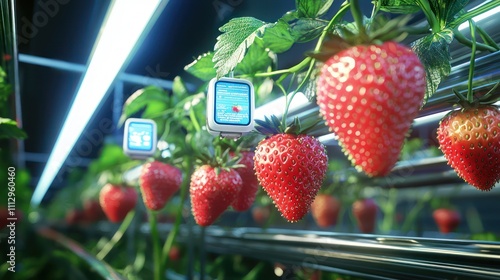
(359, 255)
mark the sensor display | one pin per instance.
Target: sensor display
(232, 103)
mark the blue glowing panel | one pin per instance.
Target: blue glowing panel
(232, 103)
(140, 136)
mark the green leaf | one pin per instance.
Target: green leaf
(307, 8)
(203, 67)
(277, 37)
(399, 6)
(152, 99)
(434, 53)
(257, 59)
(9, 129)
(238, 35)
(179, 88)
(306, 29)
(453, 8)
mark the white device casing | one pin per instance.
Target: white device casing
(139, 153)
(228, 130)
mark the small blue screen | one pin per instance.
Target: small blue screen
(139, 136)
(232, 103)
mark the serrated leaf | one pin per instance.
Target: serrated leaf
(256, 60)
(307, 8)
(202, 67)
(9, 129)
(238, 35)
(152, 99)
(306, 29)
(277, 37)
(434, 53)
(400, 6)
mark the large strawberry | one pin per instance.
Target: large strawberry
(365, 212)
(325, 210)
(369, 96)
(117, 201)
(246, 196)
(212, 190)
(158, 182)
(290, 167)
(446, 219)
(470, 141)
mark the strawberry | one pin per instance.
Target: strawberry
(158, 182)
(291, 169)
(470, 140)
(369, 95)
(446, 219)
(212, 190)
(175, 253)
(365, 212)
(116, 201)
(74, 216)
(246, 196)
(260, 214)
(92, 211)
(325, 210)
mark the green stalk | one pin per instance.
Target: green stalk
(470, 14)
(465, 41)
(358, 17)
(155, 236)
(195, 122)
(470, 95)
(487, 38)
(292, 69)
(116, 237)
(175, 230)
(429, 14)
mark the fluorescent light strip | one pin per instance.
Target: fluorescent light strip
(277, 106)
(125, 23)
(480, 17)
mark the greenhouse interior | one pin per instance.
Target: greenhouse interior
(238, 139)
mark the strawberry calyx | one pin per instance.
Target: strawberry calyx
(218, 159)
(272, 126)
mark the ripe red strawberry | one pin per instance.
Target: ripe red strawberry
(447, 220)
(92, 211)
(291, 169)
(246, 196)
(325, 210)
(369, 96)
(470, 141)
(116, 201)
(212, 193)
(158, 182)
(74, 216)
(365, 212)
(260, 214)
(175, 253)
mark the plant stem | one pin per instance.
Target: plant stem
(116, 237)
(158, 265)
(292, 69)
(358, 17)
(487, 38)
(429, 14)
(195, 122)
(178, 218)
(470, 14)
(470, 95)
(465, 41)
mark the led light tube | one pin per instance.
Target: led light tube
(124, 24)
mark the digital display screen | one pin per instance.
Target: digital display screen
(139, 136)
(232, 103)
